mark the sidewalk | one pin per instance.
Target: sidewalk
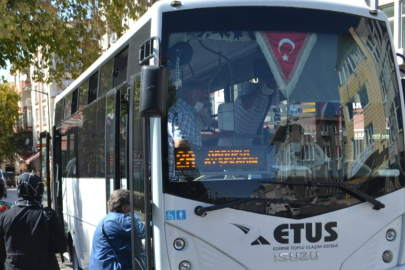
(67, 265)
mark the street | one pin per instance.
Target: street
(12, 197)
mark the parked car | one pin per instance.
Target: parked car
(3, 182)
(10, 179)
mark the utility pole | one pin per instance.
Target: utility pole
(49, 110)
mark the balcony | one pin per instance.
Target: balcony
(27, 102)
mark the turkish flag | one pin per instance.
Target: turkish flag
(286, 54)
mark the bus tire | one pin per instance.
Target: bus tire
(75, 260)
(73, 256)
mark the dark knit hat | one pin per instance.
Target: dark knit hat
(30, 186)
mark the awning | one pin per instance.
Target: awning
(31, 158)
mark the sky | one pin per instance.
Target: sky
(6, 73)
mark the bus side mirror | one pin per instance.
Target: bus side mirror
(153, 91)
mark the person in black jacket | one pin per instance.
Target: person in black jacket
(31, 235)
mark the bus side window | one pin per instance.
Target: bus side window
(93, 86)
(120, 67)
(68, 103)
(74, 101)
(83, 94)
(58, 113)
(106, 77)
(114, 72)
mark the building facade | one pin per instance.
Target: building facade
(36, 106)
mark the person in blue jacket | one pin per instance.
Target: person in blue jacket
(111, 248)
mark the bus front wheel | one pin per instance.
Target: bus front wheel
(73, 257)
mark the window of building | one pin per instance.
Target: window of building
(37, 116)
(397, 115)
(403, 23)
(44, 119)
(368, 134)
(389, 11)
(363, 96)
(66, 66)
(326, 150)
(28, 122)
(358, 102)
(384, 89)
(350, 63)
(350, 108)
(392, 125)
(374, 40)
(36, 93)
(357, 148)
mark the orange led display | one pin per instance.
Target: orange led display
(186, 159)
(230, 157)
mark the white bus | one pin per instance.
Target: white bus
(310, 177)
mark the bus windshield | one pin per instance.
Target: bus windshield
(274, 101)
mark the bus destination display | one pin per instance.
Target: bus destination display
(220, 159)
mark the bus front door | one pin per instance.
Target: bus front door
(45, 168)
(138, 173)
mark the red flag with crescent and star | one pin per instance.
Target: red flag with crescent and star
(286, 53)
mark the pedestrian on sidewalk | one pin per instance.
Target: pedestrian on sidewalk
(31, 235)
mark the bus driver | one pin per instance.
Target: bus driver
(182, 127)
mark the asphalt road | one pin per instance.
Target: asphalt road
(12, 197)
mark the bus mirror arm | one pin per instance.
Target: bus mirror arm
(57, 180)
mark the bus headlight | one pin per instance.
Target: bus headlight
(387, 256)
(184, 265)
(179, 244)
(391, 235)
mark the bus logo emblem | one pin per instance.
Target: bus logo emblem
(260, 240)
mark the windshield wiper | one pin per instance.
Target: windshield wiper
(200, 210)
(349, 188)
